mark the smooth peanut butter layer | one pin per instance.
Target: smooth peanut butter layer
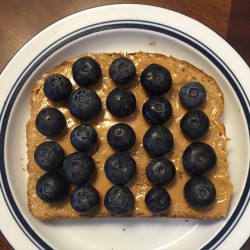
(181, 72)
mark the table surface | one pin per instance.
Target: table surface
(21, 20)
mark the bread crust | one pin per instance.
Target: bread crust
(181, 72)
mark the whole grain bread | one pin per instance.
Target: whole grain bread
(181, 72)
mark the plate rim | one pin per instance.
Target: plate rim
(120, 5)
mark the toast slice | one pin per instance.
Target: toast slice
(181, 72)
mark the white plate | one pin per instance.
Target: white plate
(117, 28)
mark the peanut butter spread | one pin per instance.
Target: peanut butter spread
(181, 72)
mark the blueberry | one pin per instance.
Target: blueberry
(121, 102)
(156, 80)
(122, 70)
(83, 137)
(78, 168)
(49, 155)
(198, 158)
(86, 71)
(158, 140)
(51, 187)
(199, 191)
(121, 137)
(157, 110)
(195, 124)
(120, 168)
(84, 104)
(192, 94)
(84, 199)
(57, 87)
(119, 200)
(160, 171)
(50, 122)
(157, 200)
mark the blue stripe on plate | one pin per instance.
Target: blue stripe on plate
(112, 25)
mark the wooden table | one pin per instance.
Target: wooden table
(21, 20)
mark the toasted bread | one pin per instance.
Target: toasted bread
(181, 72)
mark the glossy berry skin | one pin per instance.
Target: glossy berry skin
(49, 155)
(84, 104)
(156, 80)
(84, 199)
(122, 70)
(157, 110)
(57, 87)
(158, 140)
(86, 71)
(198, 158)
(160, 171)
(121, 102)
(192, 95)
(78, 168)
(157, 200)
(195, 124)
(121, 137)
(199, 191)
(50, 122)
(119, 200)
(120, 168)
(51, 187)
(83, 137)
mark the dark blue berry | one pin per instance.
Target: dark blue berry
(156, 80)
(50, 122)
(78, 168)
(158, 140)
(198, 158)
(160, 171)
(119, 200)
(120, 168)
(51, 187)
(84, 199)
(57, 87)
(83, 137)
(121, 137)
(199, 191)
(121, 102)
(122, 70)
(86, 71)
(192, 94)
(157, 110)
(84, 104)
(49, 155)
(157, 200)
(195, 124)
